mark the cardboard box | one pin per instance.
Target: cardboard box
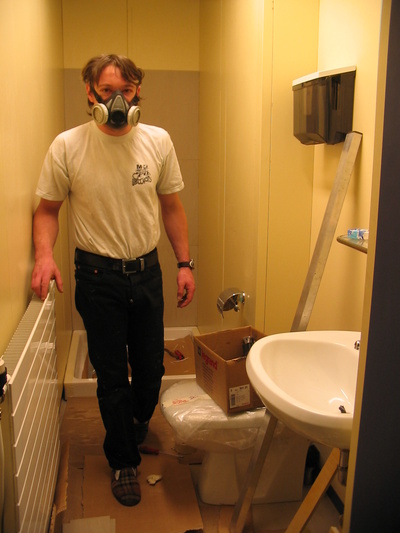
(221, 368)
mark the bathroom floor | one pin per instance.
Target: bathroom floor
(82, 428)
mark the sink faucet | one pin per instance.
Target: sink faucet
(229, 299)
(357, 345)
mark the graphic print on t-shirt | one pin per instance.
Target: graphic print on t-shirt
(141, 175)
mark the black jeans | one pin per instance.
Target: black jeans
(123, 317)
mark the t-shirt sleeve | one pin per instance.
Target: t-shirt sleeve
(54, 183)
(170, 178)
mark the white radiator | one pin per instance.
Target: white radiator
(30, 421)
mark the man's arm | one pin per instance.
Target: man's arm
(45, 231)
(175, 223)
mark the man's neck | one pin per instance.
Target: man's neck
(113, 131)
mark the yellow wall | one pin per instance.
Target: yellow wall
(349, 35)
(255, 179)
(262, 194)
(290, 173)
(164, 35)
(157, 35)
(230, 153)
(31, 64)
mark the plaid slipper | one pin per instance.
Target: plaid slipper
(125, 486)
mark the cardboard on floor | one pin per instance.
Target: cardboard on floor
(169, 506)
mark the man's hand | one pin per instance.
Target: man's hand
(43, 272)
(186, 287)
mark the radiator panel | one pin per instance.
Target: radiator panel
(32, 396)
(30, 420)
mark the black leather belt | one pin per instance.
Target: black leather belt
(126, 266)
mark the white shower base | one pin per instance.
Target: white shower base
(76, 384)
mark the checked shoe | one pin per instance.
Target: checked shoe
(125, 486)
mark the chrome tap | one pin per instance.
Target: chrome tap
(230, 299)
(357, 345)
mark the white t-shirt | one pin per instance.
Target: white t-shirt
(112, 183)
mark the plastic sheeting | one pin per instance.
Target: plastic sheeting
(199, 422)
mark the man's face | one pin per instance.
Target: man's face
(110, 81)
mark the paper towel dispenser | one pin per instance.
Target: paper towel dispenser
(323, 106)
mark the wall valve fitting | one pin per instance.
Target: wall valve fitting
(230, 299)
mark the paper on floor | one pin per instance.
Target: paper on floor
(100, 524)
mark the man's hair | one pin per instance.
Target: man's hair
(91, 72)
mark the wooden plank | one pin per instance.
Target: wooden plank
(260, 451)
(316, 492)
(327, 230)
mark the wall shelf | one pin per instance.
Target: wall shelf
(357, 244)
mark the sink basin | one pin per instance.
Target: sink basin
(307, 380)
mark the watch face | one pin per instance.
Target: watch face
(191, 264)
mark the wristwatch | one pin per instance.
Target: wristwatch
(187, 264)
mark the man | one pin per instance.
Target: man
(116, 172)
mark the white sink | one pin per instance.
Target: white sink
(307, 380)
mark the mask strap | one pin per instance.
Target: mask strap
(97, 96)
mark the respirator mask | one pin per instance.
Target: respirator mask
(115, 111)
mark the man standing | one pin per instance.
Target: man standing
(116, 172)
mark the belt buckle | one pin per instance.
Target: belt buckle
(127, 267)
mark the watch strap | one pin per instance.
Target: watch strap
(186, 264)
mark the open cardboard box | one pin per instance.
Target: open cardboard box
(221, 368)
